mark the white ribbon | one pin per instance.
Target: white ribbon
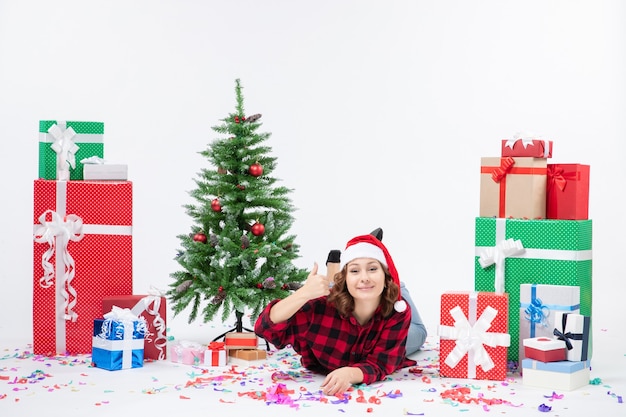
(154, 300)
(125, 330)
(57, 233)
(94, 160)
(470, 339)
(497, 255)
(64, 147)
(527, 140)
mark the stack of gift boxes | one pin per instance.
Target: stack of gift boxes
(82, 254)
(241, 345)
(83, 299)
(532, 275)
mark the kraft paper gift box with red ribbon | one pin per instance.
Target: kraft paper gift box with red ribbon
(187, 352)
(567, 195)
(527, 147)
(538, 306)
(545, 349)
(118, 340)
(556, 376)
(248, 354)
(513, 187)
(241, 340)
(215, 354)
(473, 338)
(64, 144)
(152, 308)
(511, 252)
(82, 252)
(575, 330)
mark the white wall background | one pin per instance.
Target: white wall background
(379, 113)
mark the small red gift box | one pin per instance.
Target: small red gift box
(567, 195)
(473, 338)
(82, 252)
(535, 148)
(545, 349)
(241, 340)
(152, 309)
(513, 187)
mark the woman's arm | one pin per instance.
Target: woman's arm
(315, 286)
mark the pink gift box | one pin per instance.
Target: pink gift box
(187, 352)
(473, 338)
(545, 349)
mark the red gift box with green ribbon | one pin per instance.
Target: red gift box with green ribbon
(82, 252)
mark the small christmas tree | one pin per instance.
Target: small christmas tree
(239, 253)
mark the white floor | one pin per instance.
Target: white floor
(69, 386)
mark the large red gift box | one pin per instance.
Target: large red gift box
(473, 335)
(152, 309)
(567, 196)
(82, 252)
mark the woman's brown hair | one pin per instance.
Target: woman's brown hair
(344, 302)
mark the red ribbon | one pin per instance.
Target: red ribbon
(216, 346)
(557, 176)
(505, 166)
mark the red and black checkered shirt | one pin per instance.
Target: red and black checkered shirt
(326, 341)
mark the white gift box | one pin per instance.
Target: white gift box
(539, 304)
(116, 172)
(575, 330)
(215, 357)
(556, 376)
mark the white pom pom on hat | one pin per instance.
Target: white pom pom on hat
(367, 246)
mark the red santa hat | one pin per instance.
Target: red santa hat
(367, 246)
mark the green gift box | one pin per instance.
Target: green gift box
(511, 252)
(71, 142)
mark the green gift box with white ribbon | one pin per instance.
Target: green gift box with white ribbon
(63, 144)
(511, 252)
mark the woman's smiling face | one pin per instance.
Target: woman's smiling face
(365, 279)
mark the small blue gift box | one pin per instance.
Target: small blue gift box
(118, 344)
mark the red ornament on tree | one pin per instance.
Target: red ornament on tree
(200, 237)
(257, 229)
(259, 285)
(256, 169)
(241, 187)
(215, 205)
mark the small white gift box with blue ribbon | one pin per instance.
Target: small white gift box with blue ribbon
(118, 340)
